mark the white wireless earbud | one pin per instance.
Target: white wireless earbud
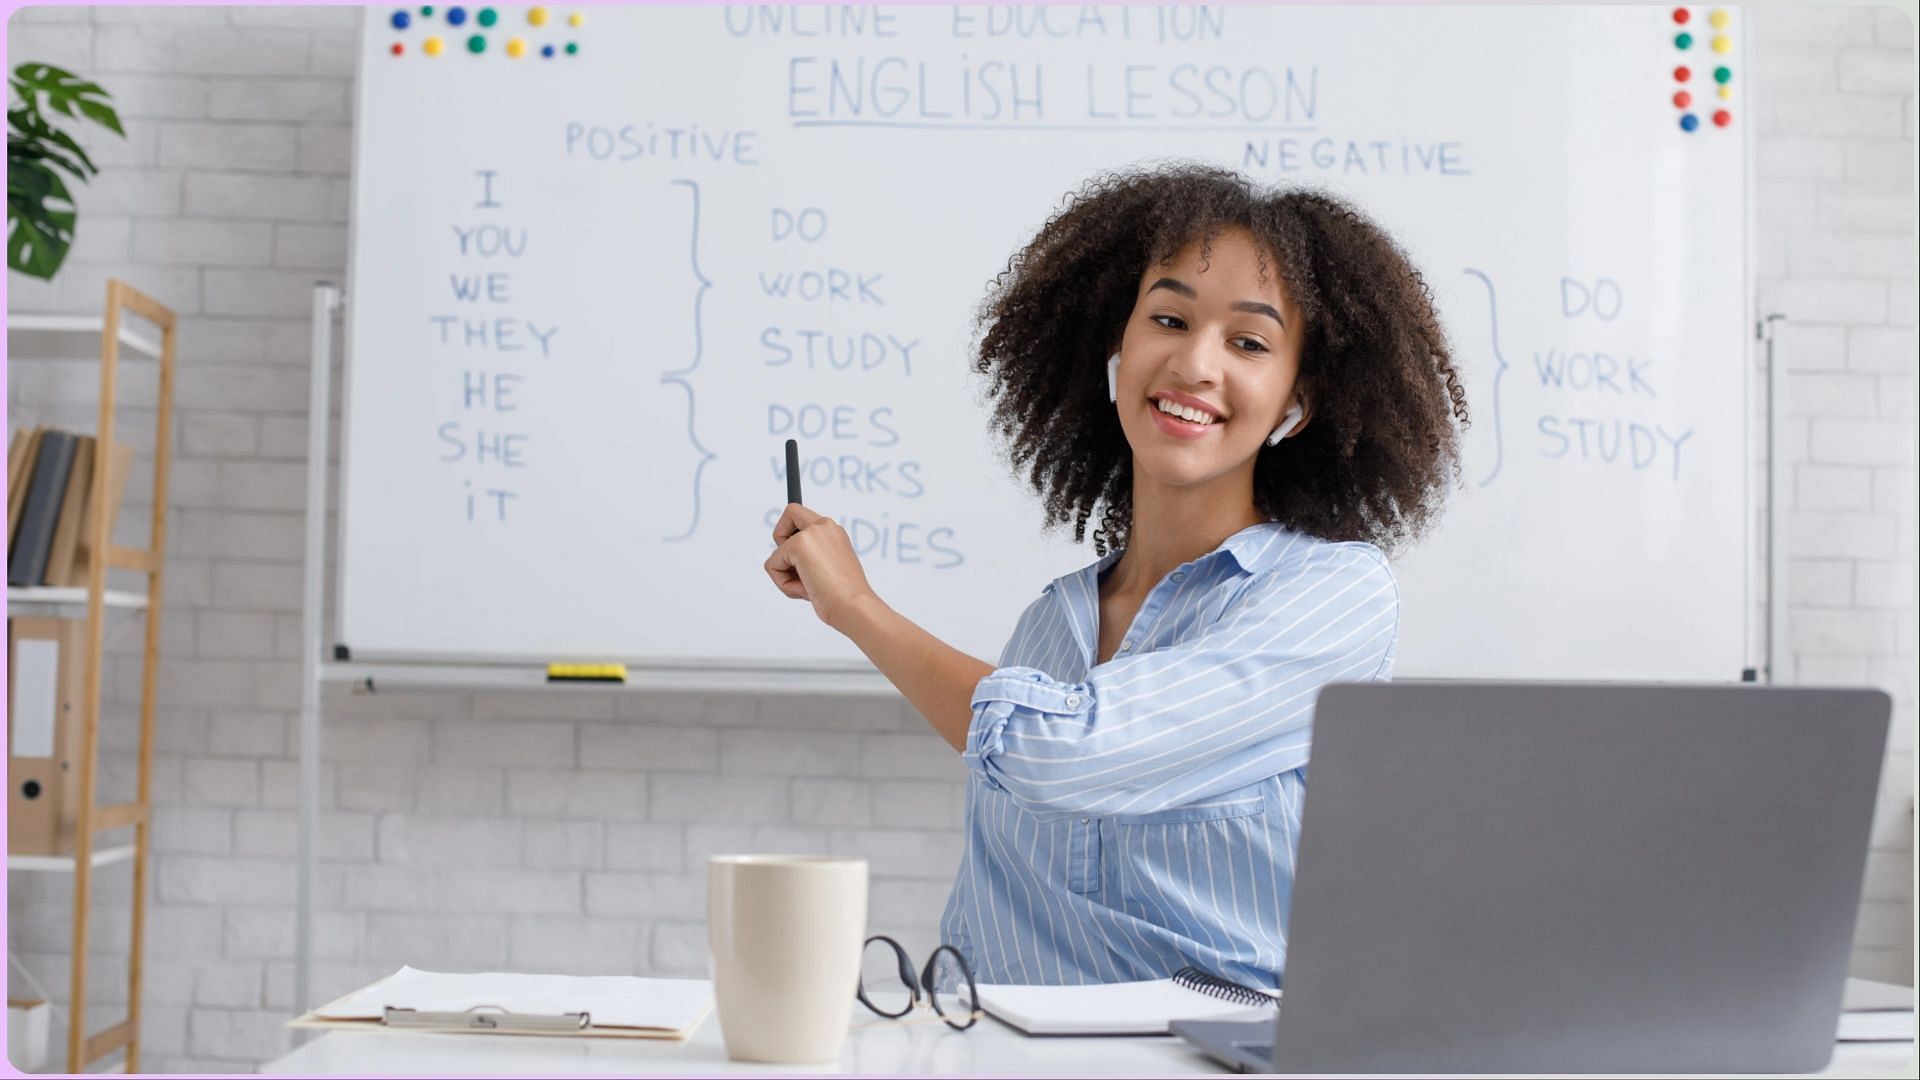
(1113, 377)
(1287, 424)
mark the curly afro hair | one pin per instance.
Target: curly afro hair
(1374, 462)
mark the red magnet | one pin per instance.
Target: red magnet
(1681, 74)
(1682, 99)
(398, 49)
(1680, 16)
(1722, 118)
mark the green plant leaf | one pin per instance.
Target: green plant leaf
(40, 219)
(66, 92)
(37, 133)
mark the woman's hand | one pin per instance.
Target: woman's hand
(814, 561)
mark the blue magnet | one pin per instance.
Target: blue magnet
(456, 16)
(1689, 122)
(546, 51)
(400, 20)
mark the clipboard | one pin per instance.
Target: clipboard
(630, 1007)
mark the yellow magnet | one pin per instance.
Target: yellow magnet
(432, 45)
(576, 19)
(1726, 93)
(1722, 43)
(1718, 19)
(516, 48)
(537, 16)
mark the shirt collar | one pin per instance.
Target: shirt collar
(1255, 548)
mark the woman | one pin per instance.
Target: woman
(1254, 390)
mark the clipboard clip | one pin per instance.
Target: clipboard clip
(475, 1020)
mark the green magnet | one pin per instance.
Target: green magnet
(572, 48)
(477, 44)
(1683, 41)
(487, 17)
(427, 12)
(1722, 75)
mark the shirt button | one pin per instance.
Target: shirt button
(1126, 646)
(1179, 575)
(1073, 701)
(1083, 821)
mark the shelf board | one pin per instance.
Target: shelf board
(64, 864)
(82, 324)
(66, 601)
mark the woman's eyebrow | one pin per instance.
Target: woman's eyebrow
(1251, 306)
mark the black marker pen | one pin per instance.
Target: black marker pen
(793, 471)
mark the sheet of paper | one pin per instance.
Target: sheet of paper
(611, 1000)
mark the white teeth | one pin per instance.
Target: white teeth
(1193, 416)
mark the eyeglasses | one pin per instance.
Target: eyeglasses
(946, 980)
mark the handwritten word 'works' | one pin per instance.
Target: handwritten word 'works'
(854, 473)
(818, 350)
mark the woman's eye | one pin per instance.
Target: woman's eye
(1175, 318)
(1252, 346)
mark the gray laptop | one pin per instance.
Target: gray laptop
(1540, 878)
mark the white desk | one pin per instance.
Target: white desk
(990, 1047)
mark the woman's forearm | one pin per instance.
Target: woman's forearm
(936, 677)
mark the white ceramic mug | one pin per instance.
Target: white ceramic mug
(784, 934)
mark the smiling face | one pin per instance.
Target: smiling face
(1213, 337)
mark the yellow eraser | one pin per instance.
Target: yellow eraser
(587, 673)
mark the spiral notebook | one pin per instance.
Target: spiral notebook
(1131, 1008)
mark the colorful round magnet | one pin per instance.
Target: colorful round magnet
(1725, 92)
(516, 48)
(400, 20)
(1682, 40)
(1682, 99)
(1718, 19)
(572, 48)
(1722, 74)
(488, 17)
(477, 44)
(1681, 74)
(1681, 15)
(432, 45)
(1722, 43)
(1721, 118)
(398, 49)
(576, 19)
(1689, 122)
(456, 16)
(546, 51)
(537, 16)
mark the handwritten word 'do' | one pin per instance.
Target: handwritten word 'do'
(1602, 298)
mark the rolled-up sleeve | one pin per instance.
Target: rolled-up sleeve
(1230, 705)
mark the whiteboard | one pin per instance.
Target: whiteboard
(591, 294)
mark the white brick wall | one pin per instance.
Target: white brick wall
(570, 832)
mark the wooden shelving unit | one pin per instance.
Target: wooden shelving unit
(91, 604)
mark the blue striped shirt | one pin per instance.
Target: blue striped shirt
(1126, 819)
